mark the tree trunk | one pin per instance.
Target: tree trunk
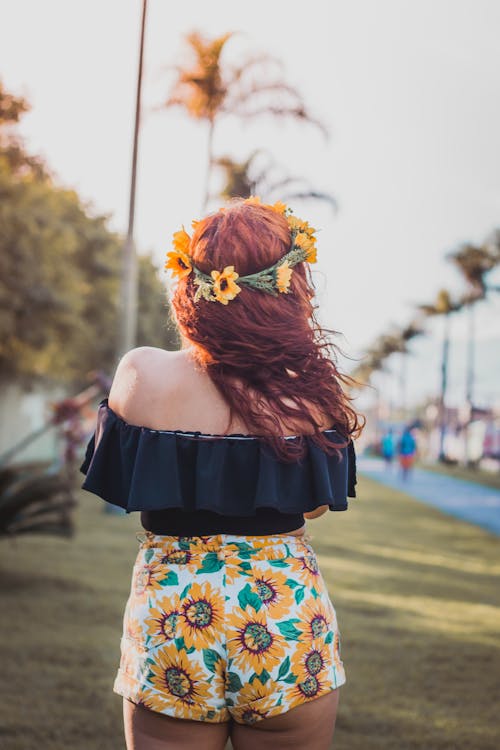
(444, 385)
(403, 376)
(128, 286)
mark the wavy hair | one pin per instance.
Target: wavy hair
(268, 356)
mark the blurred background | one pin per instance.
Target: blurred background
(378, 123)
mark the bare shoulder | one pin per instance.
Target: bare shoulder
(143, 378)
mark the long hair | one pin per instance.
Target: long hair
(268, 356)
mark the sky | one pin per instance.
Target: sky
(409, 91)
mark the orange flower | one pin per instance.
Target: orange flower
(306, 566)
(163, 619)
(252, 644)
(283, 276)
(307, 243)
(179, 263)
(182, 241)
(147, 579)
(202, 614)
(225, 287)
(310, 660)
(178, 682)
(311, 687)
(279, 207)
(255, 701)
(295, 223)
(274, 593)
(316, 621)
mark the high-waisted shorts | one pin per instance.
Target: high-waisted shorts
(227, 627)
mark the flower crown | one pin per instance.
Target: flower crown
(221, 286)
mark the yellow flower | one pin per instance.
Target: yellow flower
(133, 629)
(311, 687)
(179, 263)
(147, 578)
(283, 276)
(251, 643)
(279, 207)
(276, 597)
(295, 223)
(163, 620)
(307, 568)
(233, 572)
(311, 255)
(182, 241)
(202, 615)
(310, 660)
(225, 287)
(256, 701)
(254, 200)
(307, 243)
(183, 557)
(315, 621)
(179, 682)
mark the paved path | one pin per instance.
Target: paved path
(467, 500)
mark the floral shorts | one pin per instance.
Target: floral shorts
(227, 627)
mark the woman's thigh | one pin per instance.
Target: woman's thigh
(149, 730)
(310, 725)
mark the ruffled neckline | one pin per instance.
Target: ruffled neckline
(143, 469)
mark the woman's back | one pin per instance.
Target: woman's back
(169, 391)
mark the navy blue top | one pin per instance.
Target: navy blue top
(196, 484)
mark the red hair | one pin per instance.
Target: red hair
(260, 350)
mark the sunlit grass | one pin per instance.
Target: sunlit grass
(417, 596)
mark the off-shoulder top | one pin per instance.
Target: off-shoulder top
(196, 484)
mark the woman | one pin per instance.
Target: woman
(225, 447)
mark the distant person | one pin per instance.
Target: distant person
(388, 448)
(407, 449)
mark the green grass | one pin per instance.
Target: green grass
(488, 478)
(417, 596)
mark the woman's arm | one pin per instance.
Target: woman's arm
(316, 513)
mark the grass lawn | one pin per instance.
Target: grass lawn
(417, 595)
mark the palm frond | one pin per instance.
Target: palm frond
(312, 195)
(35, 502)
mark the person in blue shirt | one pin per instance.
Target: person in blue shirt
(407, 449)
(388, 448)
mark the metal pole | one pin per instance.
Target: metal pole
(128, 291)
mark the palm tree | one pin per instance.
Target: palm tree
(410, 331)
(206, 88)
(260, 175)
(492, 246)
(443, 305)
(474, 262)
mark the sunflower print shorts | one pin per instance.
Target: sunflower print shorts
(227, 627)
